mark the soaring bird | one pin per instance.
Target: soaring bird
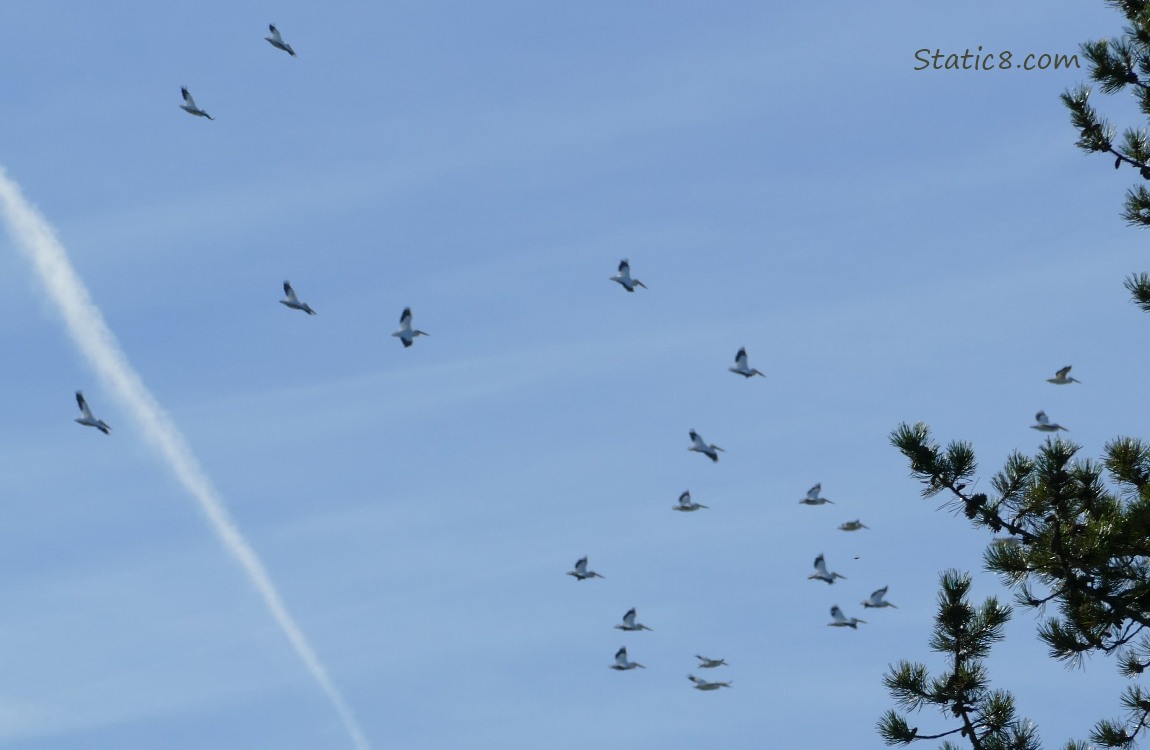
(701, 684)
(1044, 424)
(876, 599)
(813, 498)
(88, 419)
(581, 571)
(821, 571)
(629, 623)
(405, 332)
(1062, 377)
(686, 504)
(190, 107)
(705, 663)
(277, 41)
(624, 277)
(741, 367)
(854, 525)
(622, 663)
(842, 622)
(293, 302)
(701, 447)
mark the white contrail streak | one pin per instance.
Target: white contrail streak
(91, 334)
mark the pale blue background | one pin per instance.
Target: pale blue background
(890, 245)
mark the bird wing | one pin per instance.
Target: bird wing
(290, 292)
(275, 33)
(581, 565)
(624, 267)
(405, 317)
(741, 358)
(629, 618)
(621, 656)
(877, 596)
(188, 98)
(1063, 372)
(83, 404)
(821, 565)
(813, 492)
(837, 614)
(685, 498)
(1041, 418)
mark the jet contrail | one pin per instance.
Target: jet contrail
(91, 334)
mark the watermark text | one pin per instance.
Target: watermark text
(936, 59)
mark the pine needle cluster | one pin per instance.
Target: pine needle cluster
(1121, 63)
(1074, 534)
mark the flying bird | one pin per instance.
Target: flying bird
(843, 622)
(853, 525)
(876, 599)
(293, 302)
(1044, 424)
(821, 571)
(622, 663)
(1062, 377)
(405, 332)
(190, 107)
(741, 367)
(701, 447)
(581, 571)
(88, 419)
(813, 498)
(686, 504)
(701, 684)
(629, 623)
(705, 663)
(277, 41)
(624, 277)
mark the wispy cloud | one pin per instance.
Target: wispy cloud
(86, 326)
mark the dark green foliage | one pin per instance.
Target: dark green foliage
(964, 634)
(1115, 65)
(1078, 538)
(1139, 287)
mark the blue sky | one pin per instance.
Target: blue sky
(889, 244)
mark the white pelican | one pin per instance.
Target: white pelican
(624, 277)
(876, 599)
(581, 571)
(821, 571)
(705, 663)
(854, 525)
(190, 107)
(686, 504)
(277, 41)
(1044, 424)
(701, 447)
(842, 622)
(629, 623)
(622, 663)
(741, 367)
(1062, 377)
(701, 684)
(813, 498)
(406, 334)
(88, 419)
(293, 302)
